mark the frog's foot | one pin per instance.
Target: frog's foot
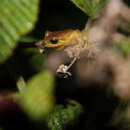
(62, 71)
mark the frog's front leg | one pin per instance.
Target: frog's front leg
(74, 49)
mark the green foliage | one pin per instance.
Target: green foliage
(37, 98)
(90, 7)
(63, 116)
(15, 20)
(27, 39)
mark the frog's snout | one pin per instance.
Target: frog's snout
(40, 46)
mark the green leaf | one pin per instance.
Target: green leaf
(64, 116)
(123, 47)
(90, 7)
(27, 39)
(37, 98)
(17, 17)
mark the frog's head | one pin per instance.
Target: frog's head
(57, 39)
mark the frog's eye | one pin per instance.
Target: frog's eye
(54, 41)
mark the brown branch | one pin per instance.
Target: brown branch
(125, 12)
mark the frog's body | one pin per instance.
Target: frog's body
(71, 41)
(60, 39)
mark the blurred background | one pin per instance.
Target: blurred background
(98, 105)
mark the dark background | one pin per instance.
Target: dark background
(59, 15)
(98, 107)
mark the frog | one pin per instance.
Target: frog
(71, 41)
(59, 39)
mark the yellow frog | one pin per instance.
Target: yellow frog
(59, 39)
(72, 41)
